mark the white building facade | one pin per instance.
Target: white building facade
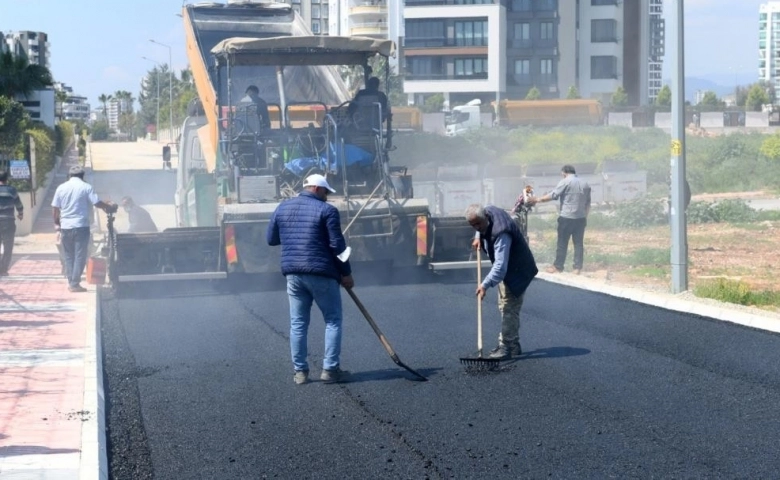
(470, 49)
(33, 45)
(769, 43)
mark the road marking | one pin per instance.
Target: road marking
(40, 307)
(41, 358)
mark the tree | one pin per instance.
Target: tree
(434, 103)
(61, 96)
(573, 93)
(619, 98)
(533, 94)
(770, 147)
(104, 99)
(20, 77)
(757, 97)
(100, 130)
(664, 98)
(710, 101)
(13, 122)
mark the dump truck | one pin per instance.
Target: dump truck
(516, 113)
(234, 171)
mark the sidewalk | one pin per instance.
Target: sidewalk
(51, 399)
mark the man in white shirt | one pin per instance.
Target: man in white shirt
(71, 204)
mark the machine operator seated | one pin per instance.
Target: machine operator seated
(364, 104)
(253, 110)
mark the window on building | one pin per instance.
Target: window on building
(603, 2)
(603, 31)
(522, 31)
(546, 66)
(521, 5)
(315, 11)
(471, 33)
(546, 30)
(315, 27)
(546, 72)
(545, 5)
(424, 33)
(603, 67)
(423, 68)
(471, 67)
(523, 67)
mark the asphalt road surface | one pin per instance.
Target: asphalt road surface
(199, 385)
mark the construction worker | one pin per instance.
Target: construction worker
(513, 270)
(9, 199)
(140, 220)
(252, 100)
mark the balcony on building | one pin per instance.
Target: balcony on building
(358, 8)
(437, 3)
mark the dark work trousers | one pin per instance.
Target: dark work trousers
(75, 247)
(573, 228)
(7, 232)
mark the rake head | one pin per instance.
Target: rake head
(479, 364)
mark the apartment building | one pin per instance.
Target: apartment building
(769, 43)
(76, 108)
(33, 45)
(488, 49)
(314, 12)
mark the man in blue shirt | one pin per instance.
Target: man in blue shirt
(71, 208)
(513, 270)
(9, 199)
(315, 261)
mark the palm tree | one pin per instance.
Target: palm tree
(104, 99)
(20, 77)
(61, 97)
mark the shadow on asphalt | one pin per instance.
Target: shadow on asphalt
(389, 374)
(553, 352)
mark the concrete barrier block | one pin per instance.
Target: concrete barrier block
(621, 119)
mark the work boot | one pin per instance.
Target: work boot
(301, 377)
(334, 376)
(514, 349)
(501, 352)
(77, 289)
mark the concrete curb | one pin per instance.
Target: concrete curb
(667, 301)
(94, 457)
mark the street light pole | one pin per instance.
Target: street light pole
(159, 70)
(170, 86)
(679, 253)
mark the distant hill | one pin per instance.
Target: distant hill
(720, 83)
(694, 84)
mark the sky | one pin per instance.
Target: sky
(97, 45)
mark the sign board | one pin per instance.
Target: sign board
(676, 148)
(20, 170)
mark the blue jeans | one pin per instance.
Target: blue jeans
(302, 290)
(75, 246)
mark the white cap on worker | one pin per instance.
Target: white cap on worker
(317, 180)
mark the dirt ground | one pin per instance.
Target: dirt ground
(640, 258)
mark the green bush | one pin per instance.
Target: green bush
(736, 292)
(64, 136)
(640, 212)
(702, 212)
(734, 211)
(768, 216)
(601, 221)
(100, 130)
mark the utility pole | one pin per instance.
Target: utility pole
(170, 86)
(679, 252)
(157, 81)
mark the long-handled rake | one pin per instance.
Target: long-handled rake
(382, 338)
(479, 363)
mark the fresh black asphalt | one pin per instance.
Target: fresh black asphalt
(199, 385)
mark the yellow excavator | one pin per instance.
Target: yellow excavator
(237, 163)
